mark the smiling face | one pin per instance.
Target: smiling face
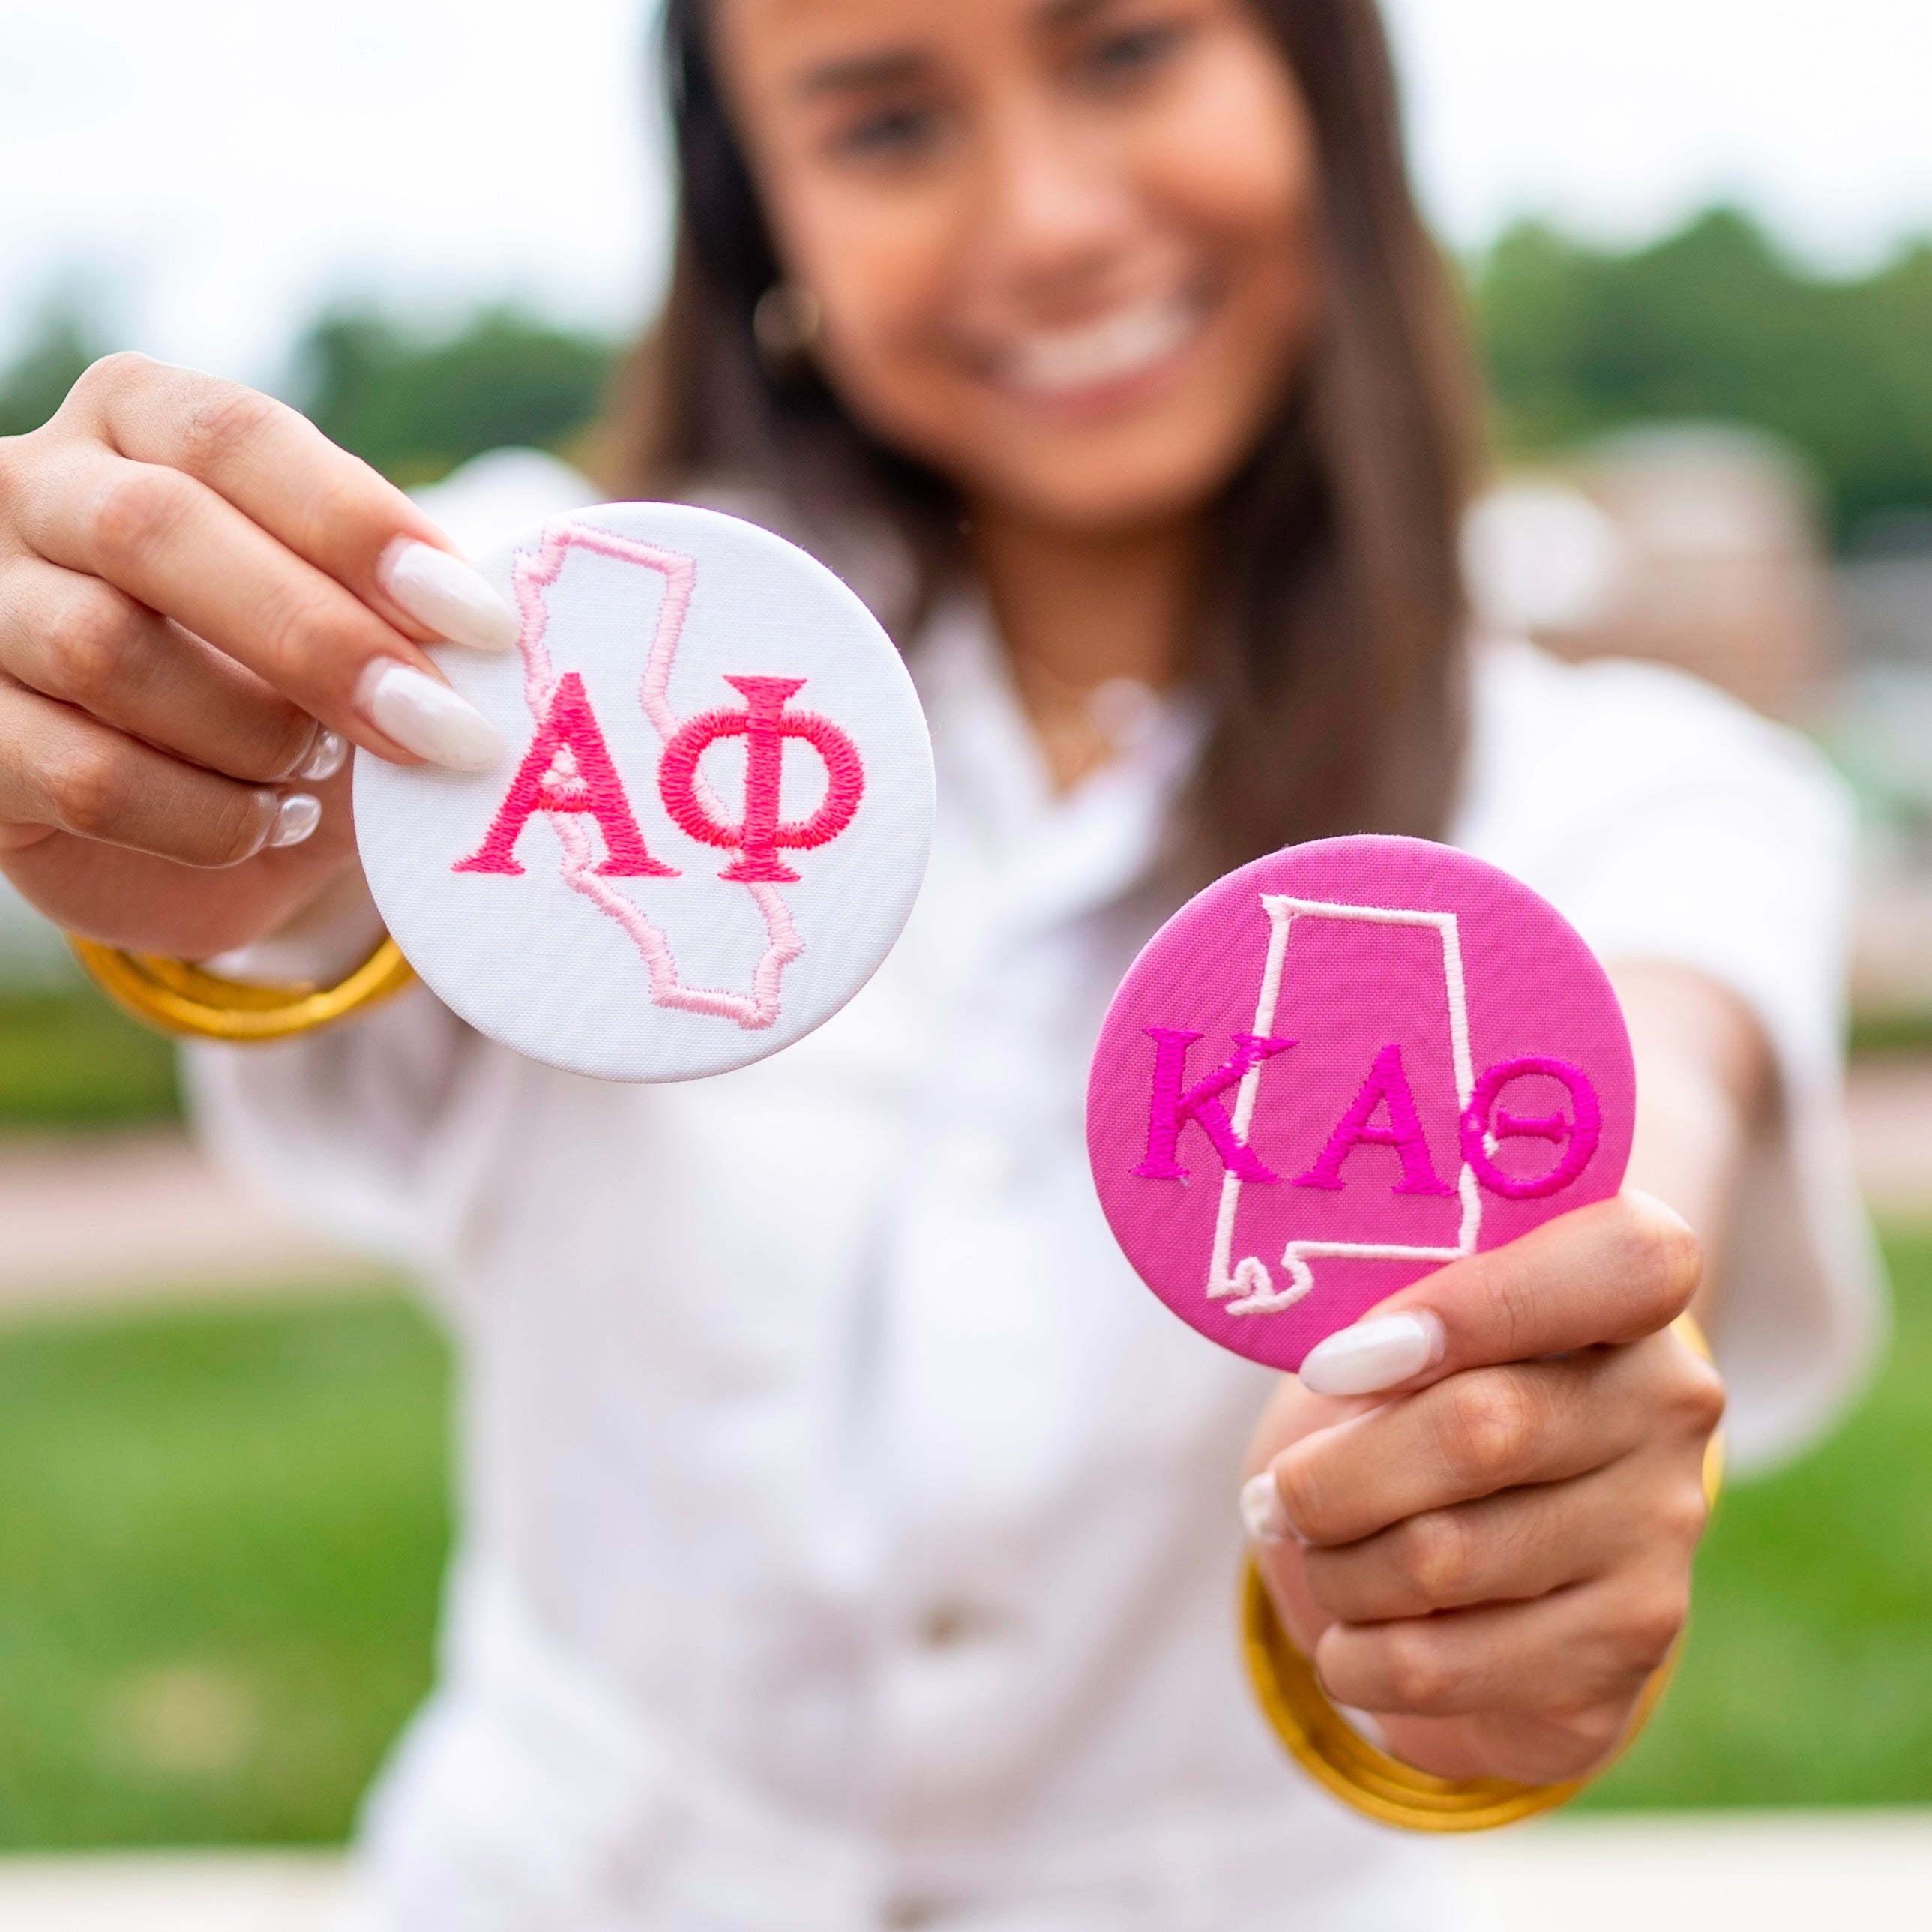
(1063, 250)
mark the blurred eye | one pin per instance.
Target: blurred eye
(902, 132)
(1125, 56)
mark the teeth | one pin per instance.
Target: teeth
(1122, 345)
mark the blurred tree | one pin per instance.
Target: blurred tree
(60, 344)
(1713, 322)
(416, 407)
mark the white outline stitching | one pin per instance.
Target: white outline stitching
(1249, 1278)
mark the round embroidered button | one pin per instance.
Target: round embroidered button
(1341, 1067)
(712, 818)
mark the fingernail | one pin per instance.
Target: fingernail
(297, 814)
(324, 758)
(1376, 1355)
(428, 719)
(442, 592)
(1262, 1515)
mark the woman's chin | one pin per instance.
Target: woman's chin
(1114, 486)
(1113, 460)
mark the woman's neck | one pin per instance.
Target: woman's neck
(1078, 613)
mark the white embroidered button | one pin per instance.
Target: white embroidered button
(712, 818)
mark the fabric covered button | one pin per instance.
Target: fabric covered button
(1341, 1067)
(712, 818)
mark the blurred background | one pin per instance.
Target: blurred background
(1696, 240)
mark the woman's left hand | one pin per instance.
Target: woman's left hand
(1492, 1553)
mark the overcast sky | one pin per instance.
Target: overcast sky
(216, 169)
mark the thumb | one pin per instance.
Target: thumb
(1611, 1272)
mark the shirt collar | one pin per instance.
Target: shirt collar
(1059, 855)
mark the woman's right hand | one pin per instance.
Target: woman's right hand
(201, 598)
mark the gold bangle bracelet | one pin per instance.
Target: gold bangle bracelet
(176, 998)
(1368, 1778)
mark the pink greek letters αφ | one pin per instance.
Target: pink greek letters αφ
(568, 775)
(568, 736)
(765, 724)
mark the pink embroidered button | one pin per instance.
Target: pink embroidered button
(1341, 1068)
(712, 819)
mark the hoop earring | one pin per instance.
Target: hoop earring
(785, 327)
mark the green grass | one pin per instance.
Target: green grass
(70, 1059)
(1902, 1030)
(221, 1532)
(1807, 1677)
(220, 1538)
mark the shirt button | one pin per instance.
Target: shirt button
(946, 1626)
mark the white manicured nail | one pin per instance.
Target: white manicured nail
(1262, 1515)
(297, 814)
(428, 719)
(1376, 1355)
(324, 756)
(442, 592)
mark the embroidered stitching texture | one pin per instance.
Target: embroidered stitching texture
(1479, 1142)
(1170, 1109)
(532, 572)
(568, 768)
(765, 724)
(1386, 1085)
(1249, 1279)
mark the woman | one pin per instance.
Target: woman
(848, 1540)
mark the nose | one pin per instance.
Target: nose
(1057, 211)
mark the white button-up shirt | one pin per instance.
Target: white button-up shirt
(847, 1539)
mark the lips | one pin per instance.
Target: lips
(1099, 355)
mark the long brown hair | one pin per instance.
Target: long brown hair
(1329, 652)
